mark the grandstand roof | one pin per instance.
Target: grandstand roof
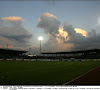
(11, 50)
(73, 52)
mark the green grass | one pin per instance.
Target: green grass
(43, 72)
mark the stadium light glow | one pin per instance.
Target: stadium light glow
(40, 38)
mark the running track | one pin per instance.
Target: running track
(90, 78)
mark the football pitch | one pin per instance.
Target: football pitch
(42, 72)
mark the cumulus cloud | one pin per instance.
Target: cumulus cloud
(73, 36)
(13, 19)
(19, 34)
(61, 36)
(66, 38)
(49, 23)
(14, 34)
(51, 26)
(83, 32)
(80, 41)
(1, 21)
(53, 45)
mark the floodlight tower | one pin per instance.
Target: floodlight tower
(7, 45)
(29, 51)
(40, 39)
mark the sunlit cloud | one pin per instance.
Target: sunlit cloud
(10, 46)
(13, 19)
(62, 33)
(83, 32)
(39, 20)
(47, 15)
(50, 15)
(61, 37)
(55, 44)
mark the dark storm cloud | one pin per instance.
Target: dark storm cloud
(19, 34)
(68, 38)
(49, 23)
(81, 42)
(18, 38)
(73, 41)
(73, 36)
(14, 32)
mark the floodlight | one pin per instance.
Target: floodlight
(40, 38)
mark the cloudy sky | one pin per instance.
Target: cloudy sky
(65, 25)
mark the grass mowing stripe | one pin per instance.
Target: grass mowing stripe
(43, 72)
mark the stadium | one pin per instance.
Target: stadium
(11, 54)
(57, 68)
(8, 54)
(82, 54)
(57, 41)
